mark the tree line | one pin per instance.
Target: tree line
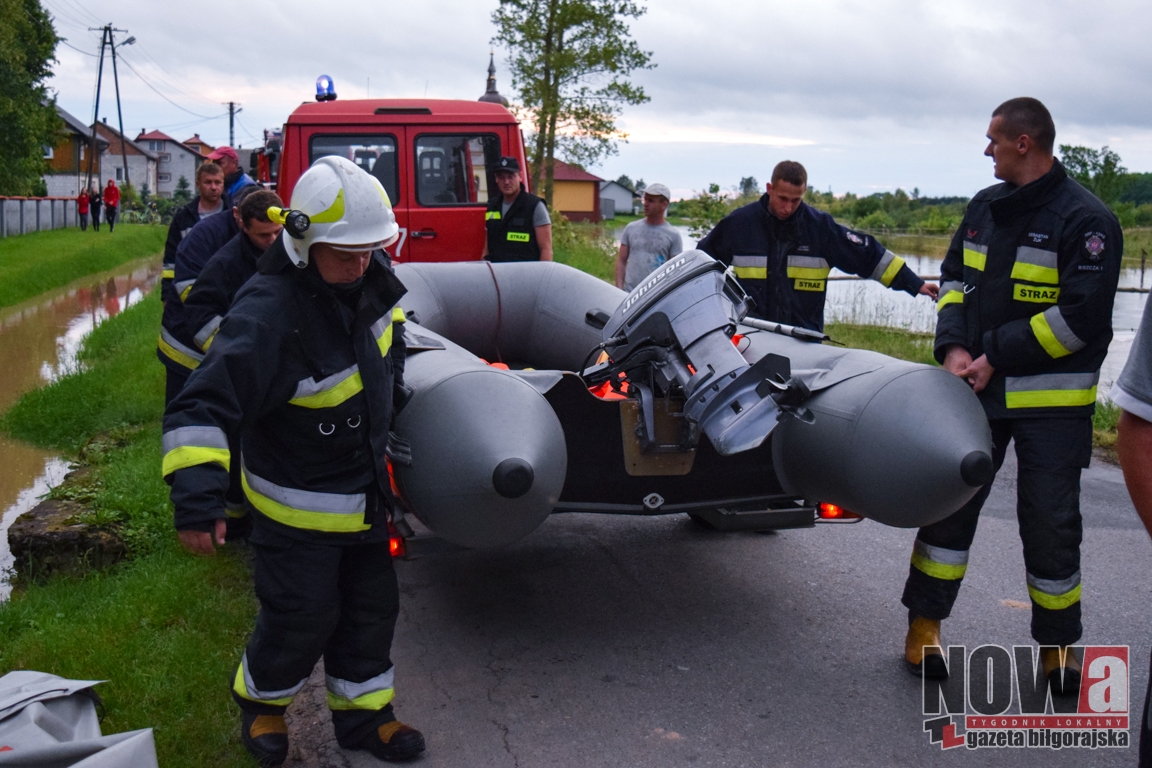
(1129, 195)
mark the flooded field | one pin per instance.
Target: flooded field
(864, 302)
(39, 342)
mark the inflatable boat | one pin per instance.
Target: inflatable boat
(539, 389)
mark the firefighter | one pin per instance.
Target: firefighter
(1024, 317)
(307, 366)
(782, 250)
(175, 349)
(209, 200)
(517, 223)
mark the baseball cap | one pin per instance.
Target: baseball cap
(658, 189)
(508, 164)
(220, 152)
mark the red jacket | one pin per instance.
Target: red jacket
(82, 202)
(111, 195)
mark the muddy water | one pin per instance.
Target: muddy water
(39, 341)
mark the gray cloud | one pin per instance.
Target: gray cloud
(890, 92)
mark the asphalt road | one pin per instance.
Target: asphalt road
(608, 641)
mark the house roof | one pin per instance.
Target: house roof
(158, 136)
(154, 136)
(115, 138)
(606, 184)
(564, 172)
(76, 126)
(196, 141)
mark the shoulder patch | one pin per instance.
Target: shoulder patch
(855, 238)
(1094, 245)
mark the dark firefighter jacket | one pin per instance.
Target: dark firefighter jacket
(512, 236)
(1029, 281)
(216, 287)
(308, 384)
(175, 347)
(183, 220)
(784, 265)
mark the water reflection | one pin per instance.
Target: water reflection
(866, 302)
(39, 343)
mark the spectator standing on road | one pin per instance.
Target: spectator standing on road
(82, 209)
(111, 203)
(517, 223)
(1133, 393)
(234, 176)
(1025, 318)
(645, 245)
(94, 203)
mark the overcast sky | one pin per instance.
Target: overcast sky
(870, 95)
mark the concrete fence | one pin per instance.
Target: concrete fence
(19, 215)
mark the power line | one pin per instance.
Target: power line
(172, 79)
(95, 19)
(62, 40)
(157, 92)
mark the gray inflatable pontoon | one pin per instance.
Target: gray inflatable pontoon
(761, 430)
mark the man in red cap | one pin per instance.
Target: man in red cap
(234, 176)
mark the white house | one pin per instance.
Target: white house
(615, 198)
(141, 162)
(174, 160)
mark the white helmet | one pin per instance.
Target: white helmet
(345, 205)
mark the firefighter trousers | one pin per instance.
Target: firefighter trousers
(1050, 453)
(319, 599)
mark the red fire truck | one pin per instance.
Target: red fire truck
(434, 157)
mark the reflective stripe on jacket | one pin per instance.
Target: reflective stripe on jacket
(205, 238)
(308, 383)
(1029, 281)
(784, 265)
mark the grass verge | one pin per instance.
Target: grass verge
(165, 628)
(40, 261)
(585, 246)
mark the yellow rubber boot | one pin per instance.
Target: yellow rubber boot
(924, 650)
(1061, 669)
(265, 737)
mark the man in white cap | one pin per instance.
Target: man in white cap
(645, 245)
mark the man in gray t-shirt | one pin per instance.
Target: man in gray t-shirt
(645, 245)
(1133, 393)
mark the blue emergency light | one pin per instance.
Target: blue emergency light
(325, 89)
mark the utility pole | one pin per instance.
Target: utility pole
(106, 39)
(232, 112)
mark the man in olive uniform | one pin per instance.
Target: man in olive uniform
(517, 223)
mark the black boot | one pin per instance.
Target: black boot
(393, 741)
(265, 737)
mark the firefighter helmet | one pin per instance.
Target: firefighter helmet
(345, 206)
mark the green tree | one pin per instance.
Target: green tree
(1097, 169)
(704, 210)
(570, 60)
(183, 193)
(28, 119)
(749, 187)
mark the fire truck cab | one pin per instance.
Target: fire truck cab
(436, 159)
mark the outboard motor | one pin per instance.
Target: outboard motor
(672, 338)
